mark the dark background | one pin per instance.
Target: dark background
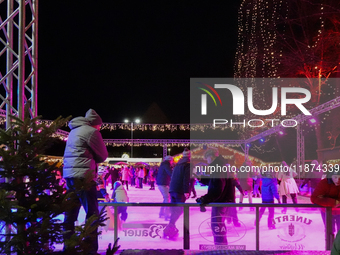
(119, 57)
(122, 57)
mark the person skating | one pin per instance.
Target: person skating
(220, 190)
(119, 195)
(179, 192)
(152, 179)
(246, 182)
(269, 192)
(163, 181)
(126, 176)
(287, 185)
(114, 174)
(232, 212)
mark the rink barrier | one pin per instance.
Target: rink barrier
(329, 236)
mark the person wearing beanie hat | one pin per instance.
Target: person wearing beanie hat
(327, 194)
(179, 190)
(84, 150)
(163, 180)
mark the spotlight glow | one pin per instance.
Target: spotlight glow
(312, 120)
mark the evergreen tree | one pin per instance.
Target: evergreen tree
(30, 194)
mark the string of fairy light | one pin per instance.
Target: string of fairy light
(258, 27)
(255, 56)
(257, 37)
(319, 70)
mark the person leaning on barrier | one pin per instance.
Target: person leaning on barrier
(84, 150)
(220, 190)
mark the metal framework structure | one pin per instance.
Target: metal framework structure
(330, 105)
(19, 60)
(19, 50)
(19, 78)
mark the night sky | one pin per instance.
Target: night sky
(119, 57)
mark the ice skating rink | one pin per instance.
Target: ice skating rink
(301, 231)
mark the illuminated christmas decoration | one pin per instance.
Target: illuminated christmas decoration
(282, 38)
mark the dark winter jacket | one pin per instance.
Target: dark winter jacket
(84, 149)
(221, 189)
(164, 173)
(114, 172)
(238, 186)
(269, 190)
(180, 178)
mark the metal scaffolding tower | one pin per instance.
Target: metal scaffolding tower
(19, 57)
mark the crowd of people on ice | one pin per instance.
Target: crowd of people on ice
(85, 150)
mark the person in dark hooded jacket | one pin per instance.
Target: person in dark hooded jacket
(221, 189)
(179, 192)
(84, 149)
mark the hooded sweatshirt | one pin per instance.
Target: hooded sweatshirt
(85, 147)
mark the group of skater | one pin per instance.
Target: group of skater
(85, 150)
(174, 185)
(130, 175)
(275, 186)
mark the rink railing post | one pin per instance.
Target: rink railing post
(329, 230)
(257, 228)
(115, 216)
(186, 233)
